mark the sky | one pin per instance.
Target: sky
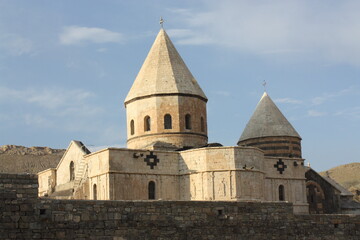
(66, 67)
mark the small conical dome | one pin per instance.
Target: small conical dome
(268, 121)
(164, 72)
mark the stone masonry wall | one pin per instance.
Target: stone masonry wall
(24, 216)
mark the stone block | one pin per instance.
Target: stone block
(60, 234)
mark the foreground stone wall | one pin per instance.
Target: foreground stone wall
(24, 216)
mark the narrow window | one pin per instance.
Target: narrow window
(281, 193)
(187, 121)
(132, 127)
(202, 124)
(167, 121)
(147, 122)
(151, 190)
(72, 171)
(94, 192)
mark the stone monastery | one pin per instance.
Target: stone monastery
(168, 156)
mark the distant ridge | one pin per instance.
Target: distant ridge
(347, 175)
(20, 159)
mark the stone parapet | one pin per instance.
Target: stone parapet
(18, 186)
(24, 218)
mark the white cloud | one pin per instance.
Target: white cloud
(79, 110)
(328, 96)
(183, 11)
(16, 45)
(189, 37)
(37, 120)
(73, 35)
(101, 50)
(305, 29)
(52, 99)
(288, 100)
(222, 93)
(180, 33)
(353, 113)
(68, 110)
(314, 113)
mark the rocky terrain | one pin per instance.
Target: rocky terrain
(347, 175)
(19, 159)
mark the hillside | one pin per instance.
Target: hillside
(347, 175)
(19, 159)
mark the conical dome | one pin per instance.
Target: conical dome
(164, 72)
(165, 105)
(269, 130)
(268, 121)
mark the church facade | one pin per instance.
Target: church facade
(168, 156)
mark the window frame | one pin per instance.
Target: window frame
(147, 123)
(72, 171)
(281, 191)
(188, 122)
(94, 191)
(167, 121)
(151, 190)
(132, 127)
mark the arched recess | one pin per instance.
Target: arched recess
(202, 124)
(94, 192)
(187, 121)
(147, 124)
(132, 127)
(315, 197)
(281, 193)
(151, 190)
(167, 121)
(72, 171)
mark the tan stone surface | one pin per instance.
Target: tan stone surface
(163, 86)
(74, 153)
(164, 72)
(156, 108)
(47, 181)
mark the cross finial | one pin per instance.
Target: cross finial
(161, 22)
(264, 84)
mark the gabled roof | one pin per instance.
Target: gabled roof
(267, 121)
(164, 72)
(79, 145)
(342, 190)
(82, 146)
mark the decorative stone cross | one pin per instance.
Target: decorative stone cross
(151, 160)
(264, 85)
(161, 22)
(280, 166)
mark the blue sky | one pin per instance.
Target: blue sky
(66, 67)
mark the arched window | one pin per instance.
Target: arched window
(315, 197)
(132, 127)
(151, 190)
(167, 121)
(202, 124)
(147, 123)
(281, 193)
(72, 171)
(94, 192)
(187, 121)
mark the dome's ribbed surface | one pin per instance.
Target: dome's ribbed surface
(164, 72)
(267, 121)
